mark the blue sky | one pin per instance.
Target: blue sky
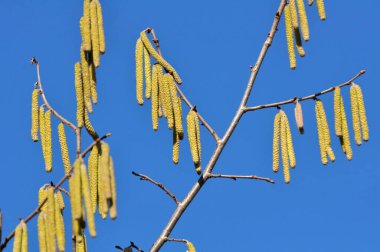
(211, 44)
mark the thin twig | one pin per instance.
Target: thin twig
(176, 240)
(309, 97)
(64, 191)
(134, 246)
(146, 178)
(182, 95)
(235, 177)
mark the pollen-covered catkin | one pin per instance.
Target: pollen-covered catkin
(139, 54)
(51, 218)
(175, 155)
(75, 191)
(192, 135)
(41, 114)
(92, 74)
(102, 41)
(79, 94)
(86, 80)
(104, 167)
(362, 113)
(48, 142)
(190, 247)
(289, 143)
(17, 242)
(182, 133)
(93, 175)
(321, 9)
(59, 199)
(164, 83)
(326, 132)
(155, 98)
(34, 130)
(299, 117)
(94, 34)
(345, 133)
(321, 134)
(159, 58)
(176, 109)
(41, 232)
(64, 149)
(303, 20)
(87, 200)
(148, 74)
(90, 129)
(41, 197)
(293, 13)
(355, 114)
(300, 50)
(59, 224)
(276, 139)
(289, 37)
(24, 238)
(284, 148)
(337, 112)
(113, 209)
(330, 153)
(86, 37)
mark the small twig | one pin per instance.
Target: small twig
(309, 97)
(235, 177)
(182, 95)
(134, 246)
(146, 178)
(176, 240)
(64, 191)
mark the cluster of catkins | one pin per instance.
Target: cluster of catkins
(359, 122)
(161, 88)
(294, 11)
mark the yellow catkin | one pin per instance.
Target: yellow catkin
(90, 129)
(51, 218)
(48, 142)
(75, 191)
(191, 133)
(17, 242)
(148, 74)
(175, 155)
(92, 74)
(86, 26)
(182, 133)
(102, 184)
(337, 112)
(59, 224)
(310, 2)
(34, 130)
(362, 114)
(155, 98)
(86, 81)
(300, 50)
(139, 54)
(198, 167)
(289, 142)
(80, 244)
(321, 134)
(299, 117)
(94, 34)
(64, 149)
(79, 94)
(93, 175)
(168, 107)
(41, 232)
(159, 58)
(321, 9)
(113, 208)
(293, 13)
(59, 199)
(87, 200)
(355, 115)
(284, 148)
(42, 129)
(24, 238)
(326, 132)
(289, 37)
(102, 41)
(276, 139)
(303, 20)
(330, 153)
(104, 166)
(190, 247)
(345, 133)
(41, 197)
(176, 109)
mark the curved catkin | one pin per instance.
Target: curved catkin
(104, 167)
(155, 98)
(90, 129)
(191, 133)
(86, 26)
(59, 225)
(303, 20)
(321, 9)
(289, 37)
(299, 117)
(345, 133)
(300, 50)
(321, 134)
(64, 149)
(190, 247)
(276, 139)
(87, 200)
(93, 176)
(75, 191)
(176, 109)
(337, 112)
(92, 75)
(51, 218)
(362, 113)
(17, 242)
(41, 232)
(79, 94)
(159, 58)
(102, 41)
(139, 54)
(24, 238)
(48, 142)
(113, 209)
(42, 129)
(355, 115)
(289, 142)
(86, 80)
(175, 155)
(284, 148)
(148, 74)
(94, 34)
(293, 13)
(34, 130)
(164, 83)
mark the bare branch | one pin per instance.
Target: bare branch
(64, 191)
(176, 240)
(313, 96)
(235, 177)
(135, 247)
(146, 178)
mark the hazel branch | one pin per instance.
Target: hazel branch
(309, 97)
(176, 240)
(146, 178)
(235, 177)
(136, 247)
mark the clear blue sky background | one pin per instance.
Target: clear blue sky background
(211, 44)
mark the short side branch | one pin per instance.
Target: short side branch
(176, 240)
(235, 177)
(146, 178)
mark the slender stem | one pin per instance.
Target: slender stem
(176, 240)
(64, 191)
(235, 177)
(146, 178)
(309, 97)
(220, 145)
(136, 247)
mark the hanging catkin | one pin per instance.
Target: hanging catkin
(139, 53)
(41, 114)
(51, 218)
(293, 13)
(75, 191)
(94, 34)
(24, 238)
(276, 139)
(86, 37)
(337, 112)
(41, 197)
(90, 129)
(321, 133)
(300, 50)
(59, 198)
(181, 133)
(102, 41)
(168, 106)
(303, 20)
(190, 247)
(93, 175)
(92, 74)
(113, 209)
(34, 130)
(87, 200)
(345, 134)
(41, 232)
(86, 80)
(194, 139)
(59, 224)
(289, 37)
(48, 142)
(159, 58)
(80, 244)
(326, 132)
(176, 109)
(104, 167)
(321, 9)
(17, 242)
(289, 143)
(355, 114)
(148, 74)
(175, 155)
(155, 97)
(64, 149)
(79, 94)
(299, 117)
(284, 147)
(362, 113)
